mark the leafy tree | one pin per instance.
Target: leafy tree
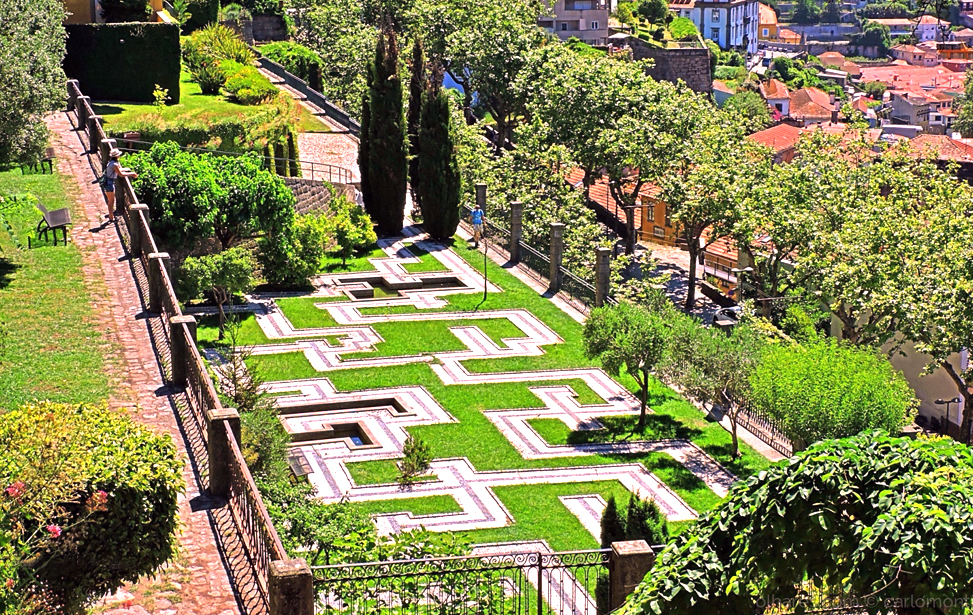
(625, 13)
(627, 337)
(31, 79)
(825, 389)
(654, 11)
(90, 503)
(222, 275)
(887, 518)
(645, 521)
(750, 109)
(438, 181)
(415, 460)
(417, 86)
(349, 226)
(291, 256)
(713, 368)
(873, 34)
(612, 524)
(876, 89)
(806, 12)
(364, 147)
(964, 108)
(387, 146)
(831, 12)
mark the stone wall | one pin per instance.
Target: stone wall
(313, 195)
(691, 64)
(269, 28)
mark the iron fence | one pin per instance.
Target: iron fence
(570, 583)
(537, 265)
(766, 429)
(580, 292)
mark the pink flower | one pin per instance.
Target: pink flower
(54, 530)
(98, 501)
(15, 490)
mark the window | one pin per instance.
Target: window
(715, 15)
(668, 215)
(564, 27)
(594, 25)
(766, 32)
(714, 34)
(649, 211)
(659, 232)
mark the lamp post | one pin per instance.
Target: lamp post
(947, 403)
(740, 278)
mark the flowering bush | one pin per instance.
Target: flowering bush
(88, 502)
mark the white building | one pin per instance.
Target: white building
(731, 24)
(584, 19)
(927, 28)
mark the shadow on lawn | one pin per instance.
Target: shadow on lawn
(621, 428)
(7, 269)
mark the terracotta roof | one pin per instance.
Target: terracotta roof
(907, 48)
(964, 33)
(811, 104)
(767, 15)
(779, 138)
(722, 87)
(831, 57)
(600, 194)
(944, 147)
(906, 77)
(925, 20)
(775, 89)
(786, 33)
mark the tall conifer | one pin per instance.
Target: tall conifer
(437, 180)
(417, 85)
(387, 156)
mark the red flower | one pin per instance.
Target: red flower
(15, 490)
(54, 530)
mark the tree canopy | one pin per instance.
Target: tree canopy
(886, 520)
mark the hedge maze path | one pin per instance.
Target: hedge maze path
(331, 429)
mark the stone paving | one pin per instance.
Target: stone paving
(331, 428)
(196, 582)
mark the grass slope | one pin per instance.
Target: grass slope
(54, 347)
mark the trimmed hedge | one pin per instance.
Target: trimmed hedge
(297, 60)
(204, 12)
(226, 134)
(124, 61)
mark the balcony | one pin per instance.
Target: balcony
(585, 5)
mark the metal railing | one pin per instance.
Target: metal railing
(766, 429)
(314, 97)
(250, 518)
(582, 292)
(570, 583)
(316, 171)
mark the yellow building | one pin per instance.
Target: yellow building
(768, 29)
(86, 11)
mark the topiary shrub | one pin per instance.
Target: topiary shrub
(296, 59)
(90, 503)
(249, 87)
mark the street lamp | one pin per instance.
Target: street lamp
(947, 403)
(739, 271)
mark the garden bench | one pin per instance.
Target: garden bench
(52, 221)
(48, 160)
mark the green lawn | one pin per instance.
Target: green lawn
(333, 263)
(54, 347)
(192, 104)
(427, 262)
(425, 505)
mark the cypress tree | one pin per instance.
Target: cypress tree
(437, 180)
(388, 163)
(364, 150)
(612, 528)
(417, 86)
(645, 521)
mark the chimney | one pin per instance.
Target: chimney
(834, 116)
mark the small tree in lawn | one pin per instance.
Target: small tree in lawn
(627, 337)
(437, 181)
(350, 227)
(415, 461)
(645, 521)
(612, 524)
(223, 275)
(712, 367)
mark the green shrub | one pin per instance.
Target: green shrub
(234, 12)
(91, 502)
(683, 28)
(249, 87)
(263, 7)
(207, 48)
(124, 61)
(296, 59)
(204, 13)
(728, 73)
(415, 460)
(227, 133)
(288, 259)
(114, 11)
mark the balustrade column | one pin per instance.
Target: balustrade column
(132, 215)
(602, 275)
(557, 255)
(158, 261)
(180, 352)
(81, 109)
(73, 89)
(291, 588)
(218, 448)
(95, 124)
(516, 230)
(629, 562)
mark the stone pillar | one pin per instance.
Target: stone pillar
(629, 562)
(180, 351)
(218, 448)
(630, 230)
(557, 255)
(516, 230)
(602, 275)
(94, 123)
(73, 90)
(135, 226)
(481, 196)
(157, 262)
(81, 108)
(291, 588)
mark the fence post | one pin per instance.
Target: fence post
(132, 215)
(106, 146)
(602, 275)
(291, 587)
(81, 108)
(218, 448)
(73, 89)
(157, 262)
(628, 563)
(516, 230)
(179, 347)
(630, 230)
(481, 196)
(557, 254)
(94, 135)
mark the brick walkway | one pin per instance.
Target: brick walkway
(196, 582)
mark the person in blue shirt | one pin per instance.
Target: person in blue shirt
(476, 218)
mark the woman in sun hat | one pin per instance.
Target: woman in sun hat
(112, 172)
